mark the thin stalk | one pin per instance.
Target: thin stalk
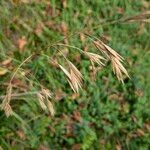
(70, 47)
(20, 94)
(20, 67)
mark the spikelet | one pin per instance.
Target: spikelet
(74, 76)
(8, 110)
(118, 69)
(50, 107)
(6, 102)
(95, 58)
(114, 57)
(41, 100)
(46, 93)
(45, 103)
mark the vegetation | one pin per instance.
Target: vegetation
(38, 39)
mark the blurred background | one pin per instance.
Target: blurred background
(105, 115)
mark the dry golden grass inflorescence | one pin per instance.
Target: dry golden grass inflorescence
(44, 100)
(95, 58)
(6, 102)
(114, 57)
(74, 76)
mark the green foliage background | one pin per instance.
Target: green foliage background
(106, 114)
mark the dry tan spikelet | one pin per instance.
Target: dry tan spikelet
(75, 71)
(50, 107)
(106, 50)
(74, 76)
(113, 52)
(41, 100)
(6, 102)
(118, 69)
(114, 57)
(65, 71)
(95, 58)
(75, 82)
(99, 45)
(46, 93)
(44, 101)
(8, 110)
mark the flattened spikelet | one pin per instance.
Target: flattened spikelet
(65, 71)
(75, 70)
(74, 76)
(44, 101)
(46, 93)
(8, 110)
(5, 104)
(114, 57)
(118, 69)
(113, 52)
(41, 100)
(50, 107)
(95, 58)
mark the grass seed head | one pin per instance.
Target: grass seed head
(41, 100)
(74, 76)
(6, 102)
(95, 58)
(118, 69)
(50, 107)
(44, 101)
(8, 110)
(46, 93)
(114, 57)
